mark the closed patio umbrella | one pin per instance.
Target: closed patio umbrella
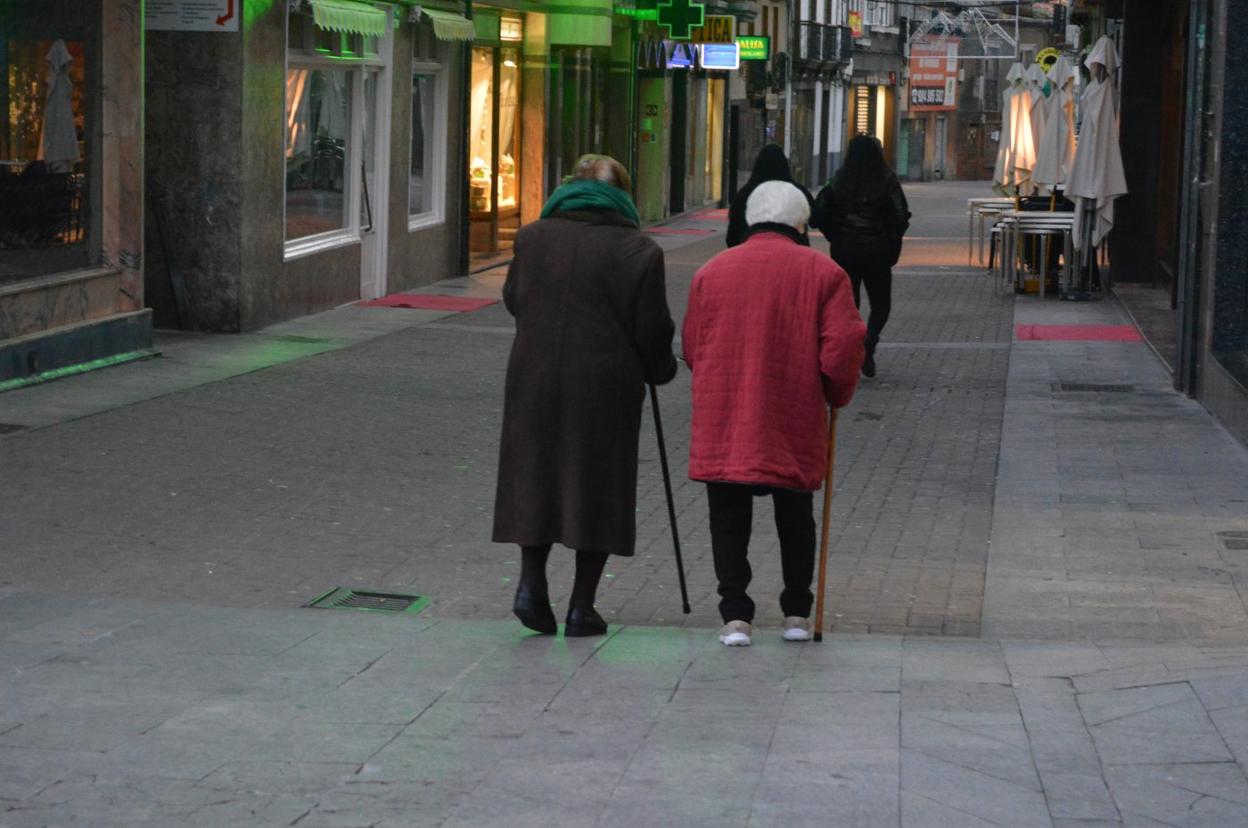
(1016, 152)
(1035, 80)
(1096, 176)
(58, 143)
(1057, 146)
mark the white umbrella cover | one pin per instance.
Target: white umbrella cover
(1096, 173)
(1035, 82)
(58, 144)
(1016, 152)
(1057, 146)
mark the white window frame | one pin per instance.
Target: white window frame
(436, 175)
(351, 233)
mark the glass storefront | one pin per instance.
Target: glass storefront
(494, 148)
(46, 92)
(318, 103)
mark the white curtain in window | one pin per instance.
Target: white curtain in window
(58, 145)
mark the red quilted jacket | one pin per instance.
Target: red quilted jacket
(772, 337)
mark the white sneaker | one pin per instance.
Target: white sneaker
(736, 634)
(796, 629)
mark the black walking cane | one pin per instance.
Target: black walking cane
(671, 505)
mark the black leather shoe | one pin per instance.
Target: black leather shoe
(583, 622)
(533, 609)
(868, 365)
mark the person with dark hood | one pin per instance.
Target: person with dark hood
(771, 165)
(587, 290)
(863, 214)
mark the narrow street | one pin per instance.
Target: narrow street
(1035, 592)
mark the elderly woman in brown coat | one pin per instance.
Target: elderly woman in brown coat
(586, 288)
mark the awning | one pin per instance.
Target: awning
(579, 22)
(349, 16)
(449, 26)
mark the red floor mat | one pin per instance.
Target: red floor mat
(1078, 333)
(430, 301)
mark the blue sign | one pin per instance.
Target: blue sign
(720, 56)
(680, 55)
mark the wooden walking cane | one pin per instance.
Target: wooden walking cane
(827, 519)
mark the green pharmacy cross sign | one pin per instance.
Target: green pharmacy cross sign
(680, 17)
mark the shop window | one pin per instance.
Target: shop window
(43, 151)
(328, 76)
(494, 148)
(318, 110)
(427, 169)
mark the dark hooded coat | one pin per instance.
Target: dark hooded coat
(771, 165)
(587, 290)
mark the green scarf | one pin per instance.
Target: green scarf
(585, 193)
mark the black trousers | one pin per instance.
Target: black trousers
(873, 273)
(732, 518)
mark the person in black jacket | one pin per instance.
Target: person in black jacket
(771, 165)
(863, 214)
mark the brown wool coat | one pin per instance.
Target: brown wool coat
(588, 293)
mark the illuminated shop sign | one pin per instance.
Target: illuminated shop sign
(720, 56)
(754, 47)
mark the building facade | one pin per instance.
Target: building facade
(71, 188)
(873, 97)
(820, 89)
(303, 154)
(318, 165)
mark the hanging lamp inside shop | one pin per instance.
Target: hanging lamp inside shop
(448, 25)
(350, 16)
(579, 22)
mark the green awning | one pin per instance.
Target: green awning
(579, 22)
(349, 16)
(449, 26)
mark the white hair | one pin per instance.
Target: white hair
(777, 202)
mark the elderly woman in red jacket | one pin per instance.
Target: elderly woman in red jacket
(772, 337)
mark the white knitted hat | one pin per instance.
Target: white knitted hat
(777, 202)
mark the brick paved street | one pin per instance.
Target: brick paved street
(1035, 593)
(374, 465)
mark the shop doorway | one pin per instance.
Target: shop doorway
(713, 189)
(679, 141)
(494, 151)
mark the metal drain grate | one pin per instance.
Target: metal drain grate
(1091, 387)
(9, 428)
(305, 340)
(353, 599)
(1234, 541)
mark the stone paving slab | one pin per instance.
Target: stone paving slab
(1108, 505)
(483, 723)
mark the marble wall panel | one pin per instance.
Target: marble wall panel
(58, 303)
(194, 179)
(122, 150)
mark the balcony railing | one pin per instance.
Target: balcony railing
(821, 43)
